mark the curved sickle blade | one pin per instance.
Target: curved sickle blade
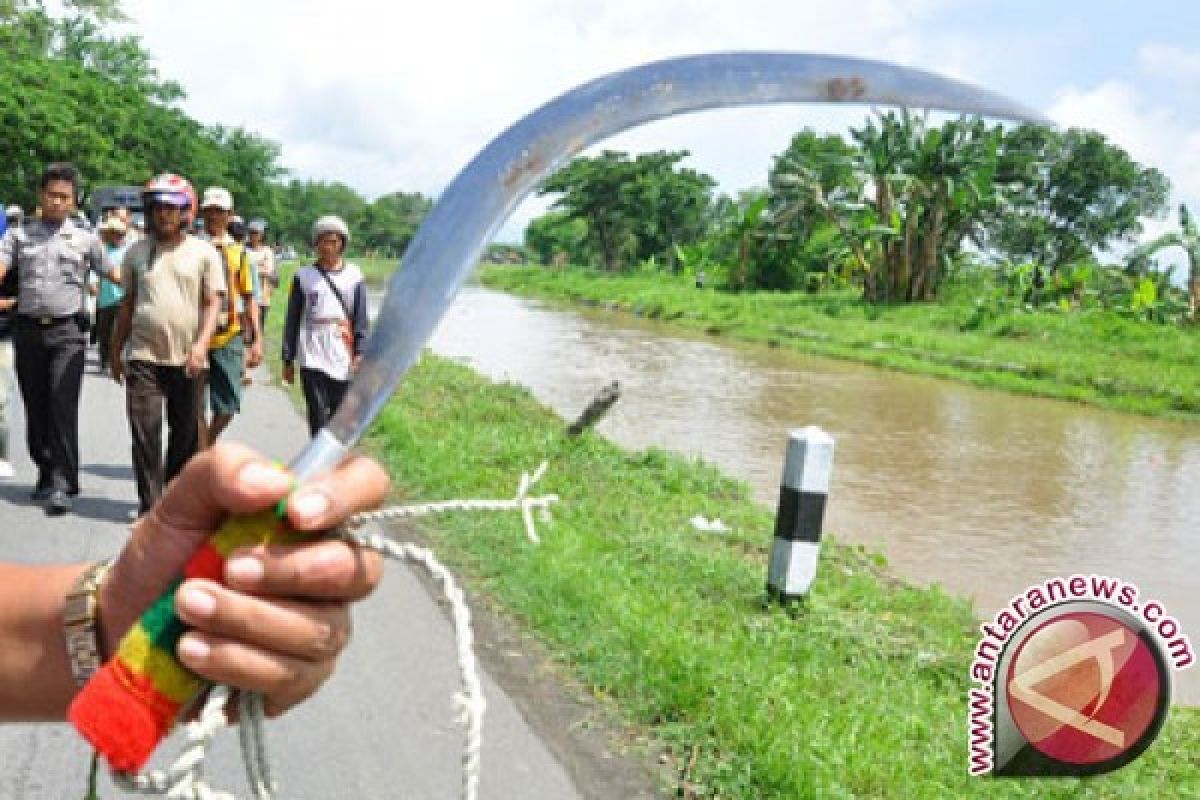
(446, 247)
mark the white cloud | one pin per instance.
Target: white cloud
(1168, 61)
(400, 96)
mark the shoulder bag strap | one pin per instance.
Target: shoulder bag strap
(341, 300)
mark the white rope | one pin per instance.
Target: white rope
(184, 780)
(522, 502)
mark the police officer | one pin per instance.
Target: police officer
(52, 255)
(8, 303)
(13, 215)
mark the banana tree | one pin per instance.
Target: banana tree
(1187, 237)
(931, 187)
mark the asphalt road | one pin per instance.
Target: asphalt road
(384, 727)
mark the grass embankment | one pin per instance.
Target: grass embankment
(862, 694)
(1092, 357)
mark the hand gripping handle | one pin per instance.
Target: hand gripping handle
(131, 703)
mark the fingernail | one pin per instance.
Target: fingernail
(193, 649)
(310, 503)
(264, 477)
(198, 602)
(244, 570)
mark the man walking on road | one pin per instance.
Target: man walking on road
(326, 323)
(109, 292)
(238, 320)
(173, 286)
(53, 256)
(8, 304)
(262, 261)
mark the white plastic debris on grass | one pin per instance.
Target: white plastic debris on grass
(706, 525)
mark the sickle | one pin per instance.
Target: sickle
(448, 244)
(131, 703)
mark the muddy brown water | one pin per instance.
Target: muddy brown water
(983, 492)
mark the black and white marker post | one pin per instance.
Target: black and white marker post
(806, 473)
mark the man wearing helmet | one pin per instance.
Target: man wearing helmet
(326, 323)
(173, 286)
(53, 257)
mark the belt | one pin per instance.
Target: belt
(43, 321)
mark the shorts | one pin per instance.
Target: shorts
(225, 369)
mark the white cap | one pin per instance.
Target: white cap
(216, 197)
(113, 223)
(14, 211)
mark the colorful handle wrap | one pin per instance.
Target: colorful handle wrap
(131, 703)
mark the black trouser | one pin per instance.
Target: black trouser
(50, 357)
(147, 387)
(322, 395)
(106, 323)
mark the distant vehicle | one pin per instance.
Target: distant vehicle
(106, 198)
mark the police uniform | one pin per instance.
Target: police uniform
(8, 289)
(52, 263)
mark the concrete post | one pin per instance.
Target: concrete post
(801, 514)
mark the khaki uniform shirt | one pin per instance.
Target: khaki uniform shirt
(168, 284)
(52, 264)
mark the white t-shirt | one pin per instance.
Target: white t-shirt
(320, 345)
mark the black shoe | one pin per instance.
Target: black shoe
(58, 503)
(41, 493)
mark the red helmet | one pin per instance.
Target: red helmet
(170, 190)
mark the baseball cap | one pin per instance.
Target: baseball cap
(258, 224)
(216, 197)
(113, 223)
(13, 211)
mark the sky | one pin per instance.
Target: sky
(400, 96)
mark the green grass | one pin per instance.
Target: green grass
(376, 270)
(860, 694)
(1096, 357)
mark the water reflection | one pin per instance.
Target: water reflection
(983, 492)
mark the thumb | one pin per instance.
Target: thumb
(226, 479)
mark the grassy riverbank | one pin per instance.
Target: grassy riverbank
(861, 694)
(1092, 357)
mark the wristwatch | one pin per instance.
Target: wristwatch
(79, 622)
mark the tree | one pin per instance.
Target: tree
(634, 209)
(590, 190)
(668, 204)
(1188, 238)
(901, 199)
(249, 168)
(557, 238)
(817, 219)
(301, 202)
(389, 223)
(1084, 194)
(74, 94)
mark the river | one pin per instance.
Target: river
(983, 492)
